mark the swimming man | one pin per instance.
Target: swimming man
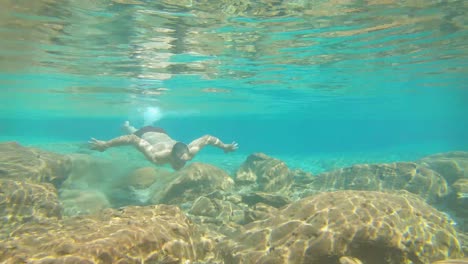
(159, 147)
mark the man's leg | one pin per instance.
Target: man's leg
(128, 129)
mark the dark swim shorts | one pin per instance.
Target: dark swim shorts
(141, 131)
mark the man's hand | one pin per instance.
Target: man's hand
(97, 144)
(230, 147)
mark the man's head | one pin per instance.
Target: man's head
(179, 155)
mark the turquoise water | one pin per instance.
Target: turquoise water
(283, 78)
(365, 82)
(320, 85)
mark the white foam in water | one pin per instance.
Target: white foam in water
(151, 115)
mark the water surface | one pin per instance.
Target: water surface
(284, 77)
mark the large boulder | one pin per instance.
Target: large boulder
(22, 202)
(142, 178)
(371, 227)
(263, 173)
(409, 176)
(451, 165)
(225, 213)
(140, 185)
(193, 181)
(151, 234)
(32, 165)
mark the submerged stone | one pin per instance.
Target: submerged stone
(213, 210)
(259, 211)
(373, 227)
(349, 260)
(451, 165)
(458, 202)
(409, 176)
(205, 206)
(193, 181)
(141, 186)
(83, 202)
(264, 173)
(88, 171)
(151, 234)
(143, 178)
(33, 165)
(461, 189)
(23, 202)
(274, 200)
(452, 261)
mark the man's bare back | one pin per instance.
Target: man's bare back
(159, 148)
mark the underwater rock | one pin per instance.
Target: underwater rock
(228, 211)
(451, 165)
(140, 186)
(143, 178)
(259, 211)
(409, 176)
(264, 173)
(349, 260)
(274, 200)
(212, 210)
(460, 188)
(219, 212)
(22, 202)
(463, 237)
(302, 177)
(83, 202)
(458, 202)
(88, 171)
(373, 227)
(150, 234)
(33, 165)
(452, 261)
(193, 181)
(111, 177)
(220, 215)
(204, 206)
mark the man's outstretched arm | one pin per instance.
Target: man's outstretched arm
(142, 145)
(196, 145)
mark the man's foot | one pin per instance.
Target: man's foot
(127, 128)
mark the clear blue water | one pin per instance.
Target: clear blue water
(318, 84)
(296, 78)
(372, 81)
